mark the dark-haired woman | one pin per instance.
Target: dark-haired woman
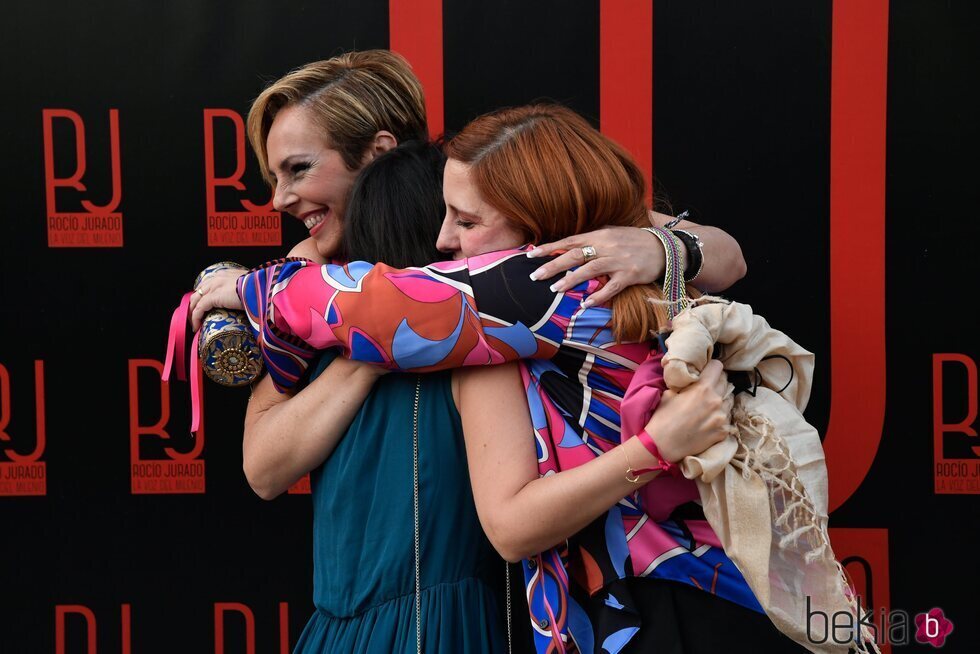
(392, 506)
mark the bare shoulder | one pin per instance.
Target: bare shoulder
(307, 249)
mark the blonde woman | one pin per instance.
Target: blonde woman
(314, 131)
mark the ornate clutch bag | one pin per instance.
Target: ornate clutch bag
(226, 348)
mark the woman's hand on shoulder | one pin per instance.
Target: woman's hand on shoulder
(689, 422)
(626, 255)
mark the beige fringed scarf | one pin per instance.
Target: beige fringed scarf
(764, 488)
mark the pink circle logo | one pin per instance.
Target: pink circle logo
(932, 628)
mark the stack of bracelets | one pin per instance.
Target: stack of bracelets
(677, 243)
(693, 245)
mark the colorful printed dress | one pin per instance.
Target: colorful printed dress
(485, 310)
(363, 532)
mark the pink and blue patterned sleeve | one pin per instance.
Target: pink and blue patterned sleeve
(480, 311)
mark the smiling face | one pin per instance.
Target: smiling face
(472, 226)
(311, 180)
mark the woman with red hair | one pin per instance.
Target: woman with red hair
(626, 577)
(621, 579)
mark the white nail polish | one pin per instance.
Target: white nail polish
(533, 253)
(585, 304)
(554, 287)
(535, 275)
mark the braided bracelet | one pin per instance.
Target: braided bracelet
(674, 290)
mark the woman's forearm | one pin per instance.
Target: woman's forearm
(563, 504)
(521, 512)
(723, 261)
(286, 437)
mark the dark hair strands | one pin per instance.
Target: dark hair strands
(396, 208)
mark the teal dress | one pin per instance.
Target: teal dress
(363, 532)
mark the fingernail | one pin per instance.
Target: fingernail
(532, 253)
(557, 287)
(536, 275)
(585, 304)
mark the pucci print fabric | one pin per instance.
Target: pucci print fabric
(485, 310)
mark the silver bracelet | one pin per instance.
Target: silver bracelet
(679, 217)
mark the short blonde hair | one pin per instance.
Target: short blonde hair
(351, 97)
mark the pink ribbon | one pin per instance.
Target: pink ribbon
(667, 491)
(652, 448)
(176, 347)
(641, 399)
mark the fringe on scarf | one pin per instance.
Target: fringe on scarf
(796, 518)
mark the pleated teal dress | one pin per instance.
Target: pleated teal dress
(363, 532)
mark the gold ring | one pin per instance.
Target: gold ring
(589, 253)
(199, 292)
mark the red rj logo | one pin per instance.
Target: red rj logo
(93, 225)
(23, 474)
(223, 608)
(257, 224)
(956, 448)
(179, 472)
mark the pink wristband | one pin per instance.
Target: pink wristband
(648, 443)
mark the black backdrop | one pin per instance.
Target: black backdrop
(741, 130)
